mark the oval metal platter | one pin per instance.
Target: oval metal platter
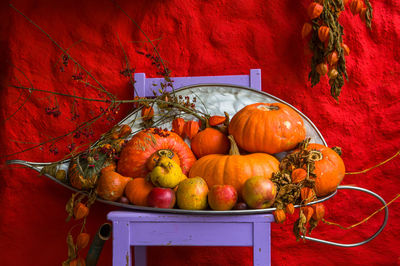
(214, 99)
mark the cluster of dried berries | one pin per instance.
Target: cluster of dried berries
(162, 132)
(127, 72)
(156, 61)
(54, 111)
(77, 76)
(326, 42)
(53, 149)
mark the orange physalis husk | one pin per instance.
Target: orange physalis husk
(356, 6)
(314, 10)
(322, 69)
(82, 240)
(78, 262)
(280, 216)
(308, 212)
(346, 49)
(80, 211)
(147, 113)
(298, 175)
(323, 33)
(290, 208)
(307, 194)
(178, 125)
(124, 131)
(333, 73)
(333, 58)
(306, 30)
(319, 211)
(191, 128)
(216, 120)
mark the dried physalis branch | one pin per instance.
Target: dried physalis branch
(324, 34)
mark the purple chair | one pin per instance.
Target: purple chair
(141, 229)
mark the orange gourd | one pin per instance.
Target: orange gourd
(143, 145)
(323, 33)
(111, 185)
(267, 127)
(137, 191)
(329, 169)
(209, 141)
(233, 169)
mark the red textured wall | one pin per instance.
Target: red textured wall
(197, 38)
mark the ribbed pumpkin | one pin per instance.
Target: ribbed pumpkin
(209, 141)
(329, 169)
(267, 127)
(233, 169)
(139, 149)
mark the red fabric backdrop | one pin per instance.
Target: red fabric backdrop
(196, 38)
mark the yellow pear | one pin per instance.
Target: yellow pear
(167, 173)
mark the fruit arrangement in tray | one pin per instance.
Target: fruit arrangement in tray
(216, 163)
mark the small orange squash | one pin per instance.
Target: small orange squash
(329, 169)
(233, 169)
(143, 145)
(137, 191)
(111, 185)
(209, 141)
(267, 127)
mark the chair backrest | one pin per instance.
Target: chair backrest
(145, 86)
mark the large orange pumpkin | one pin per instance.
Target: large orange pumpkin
(135, 155)
(267, 127)
(233, 169)
(329, 169)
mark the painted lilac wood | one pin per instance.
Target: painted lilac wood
(141, 229)
(144, 86)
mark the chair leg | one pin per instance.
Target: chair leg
(121, 246)
(261, 244)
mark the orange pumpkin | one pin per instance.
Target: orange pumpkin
(233, 169)
(143, 145)
(210, 141)
(111, 185)
(329, 169)
(137, 191)
(267, 127)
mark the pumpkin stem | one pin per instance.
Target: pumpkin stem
(315, 155)
(270, 107)
(165, 153)
(234, 148)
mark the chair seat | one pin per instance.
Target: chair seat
(141, 229)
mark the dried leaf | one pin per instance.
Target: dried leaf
(71, 247)
(69, 207)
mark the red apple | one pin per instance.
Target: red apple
(222, 197)
(161, 198)
(259, 192)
